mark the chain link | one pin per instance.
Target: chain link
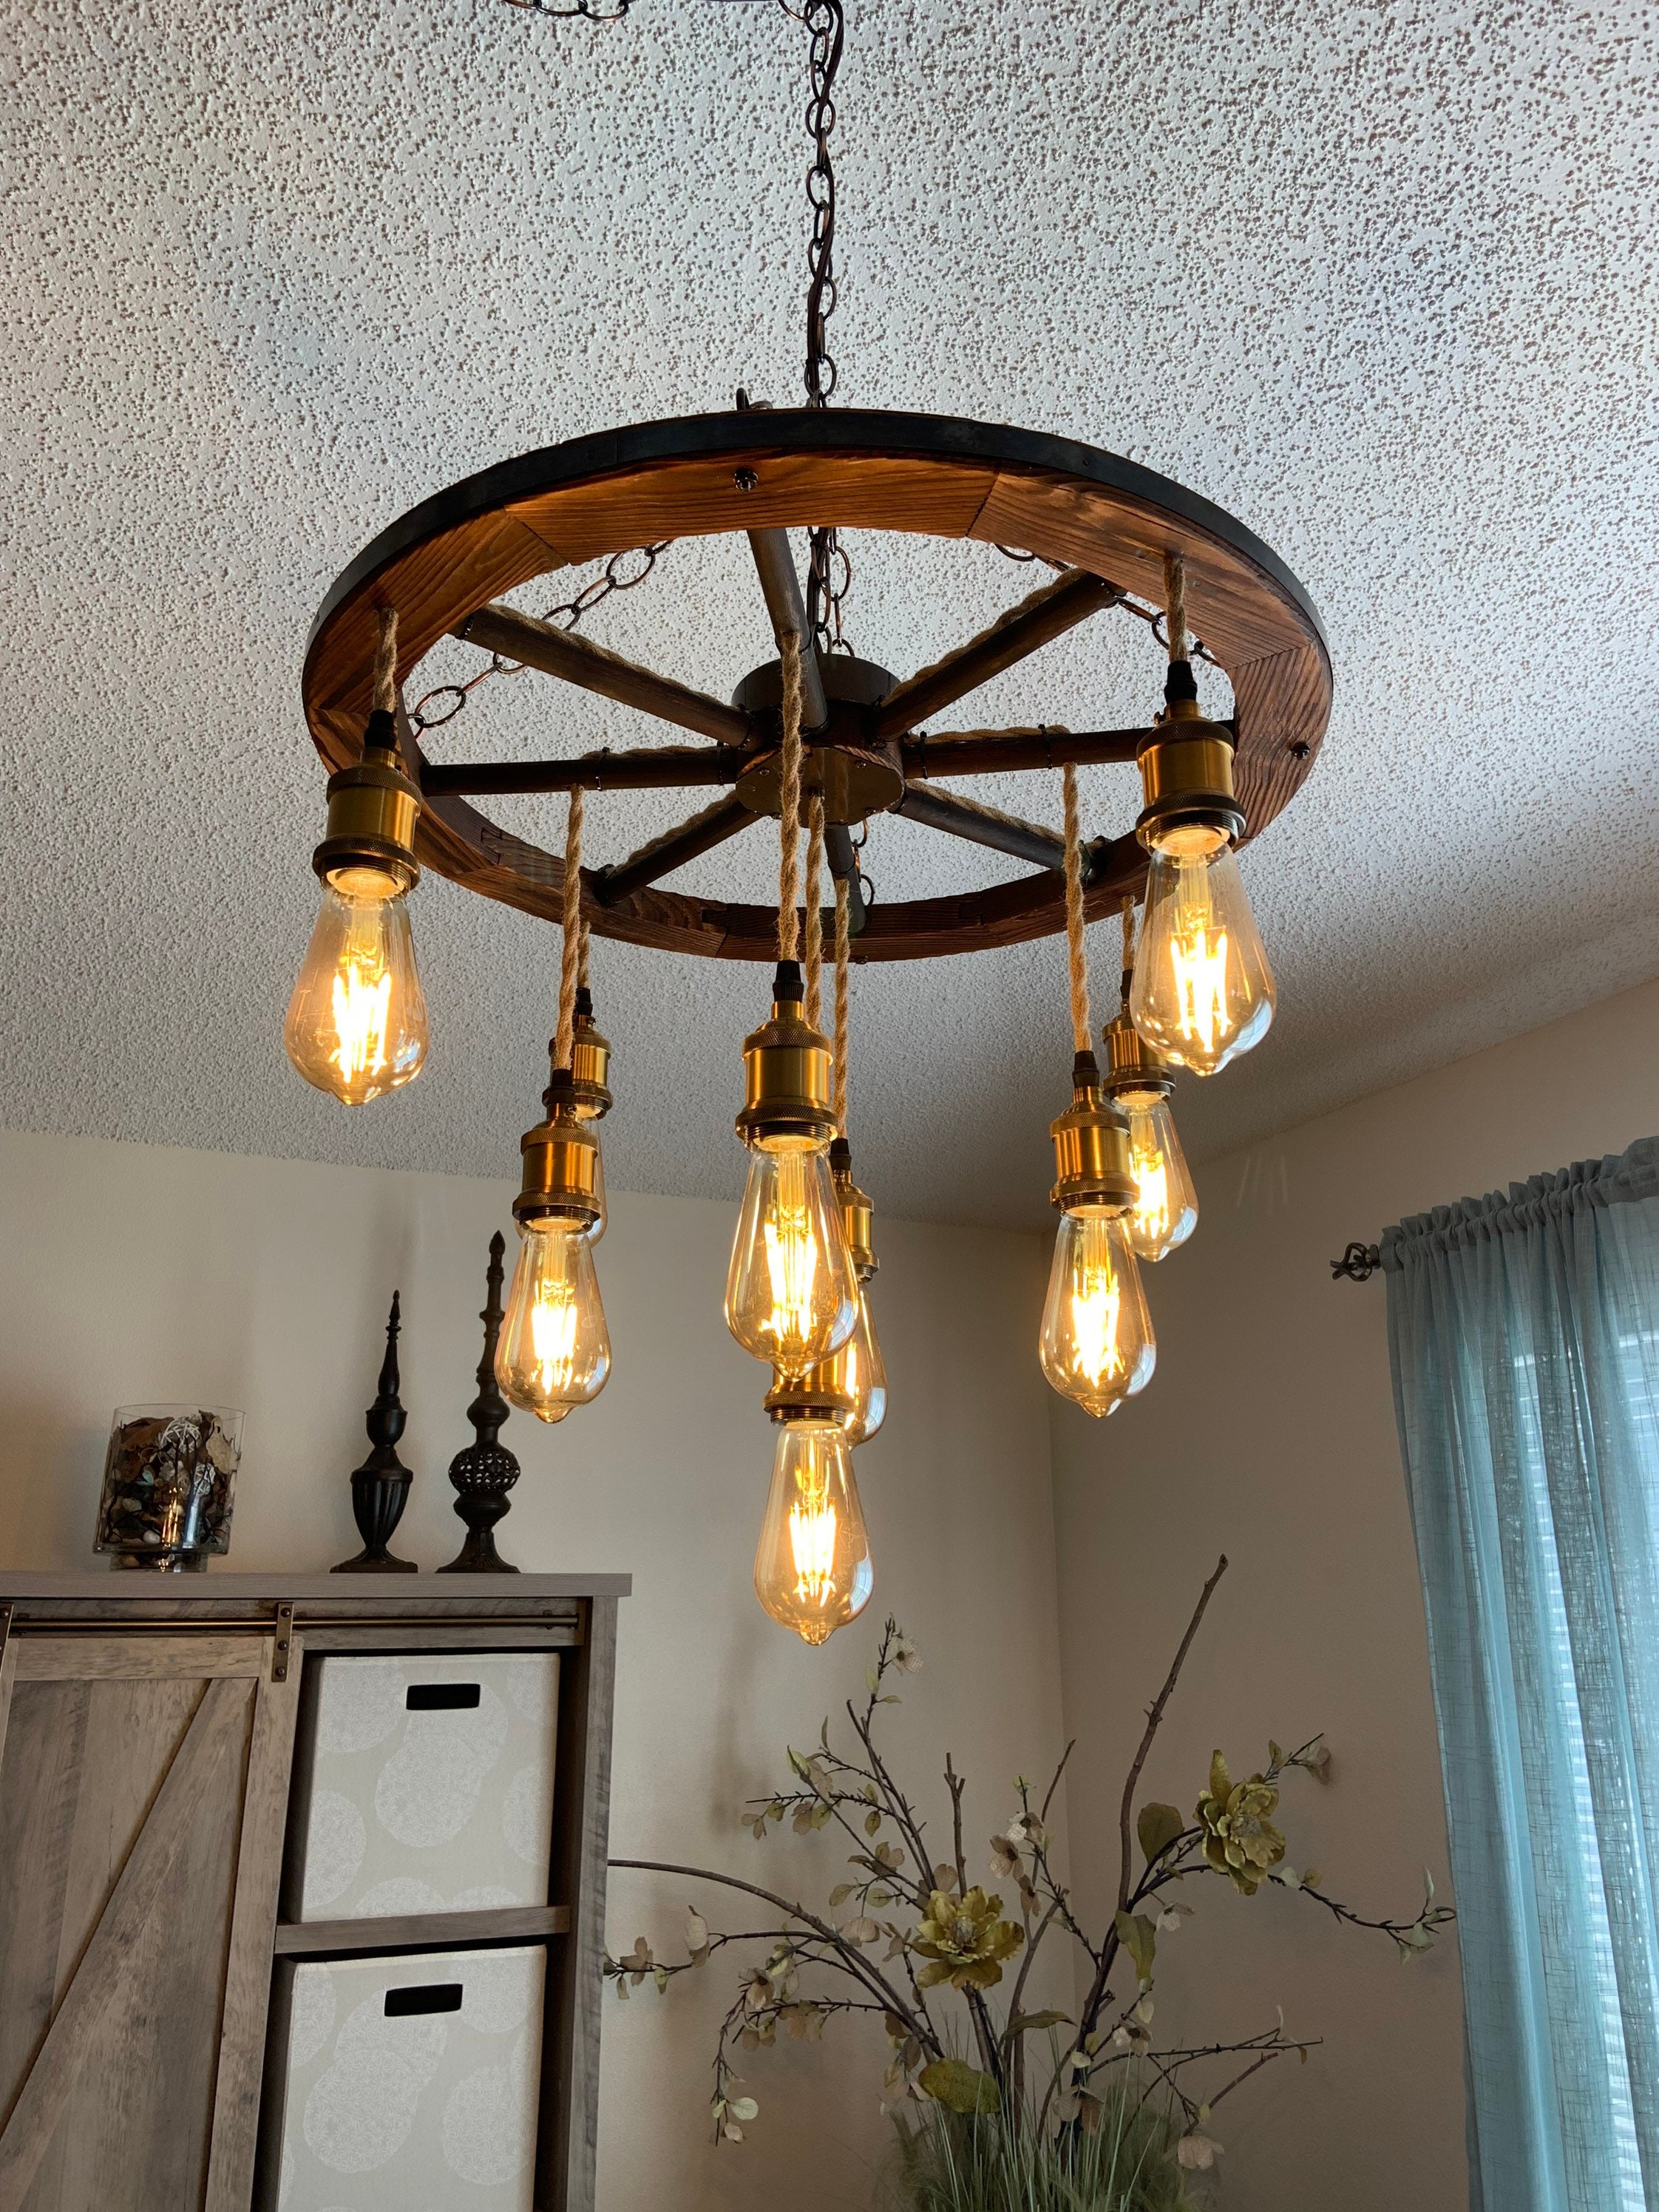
(427, 715)
(613, 13)
(1153, 616)
(829, 579)
(825, 22)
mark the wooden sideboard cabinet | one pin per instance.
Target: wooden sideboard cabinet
(151, 1731)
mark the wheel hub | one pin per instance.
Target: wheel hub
(854, 777)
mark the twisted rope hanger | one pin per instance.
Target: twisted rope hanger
(1075, 957)
(570, 958)
(843, 957)
(814, 1007)
(385, 700)
(1175, 605)
(789, 801)
(1128, 945)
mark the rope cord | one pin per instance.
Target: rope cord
(386, 664)
(814, 912)
(789, 801)
(1174, 601)
(844, 953)
(583, 947)
(573, 931)
(1079, 972)
(1128, 945)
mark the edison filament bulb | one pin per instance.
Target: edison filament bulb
(555, 1350)
(1165, 1209)
(1097, 1346)
(357, 1023)
(791, 1296)
(1203, 992)
(812, 1569)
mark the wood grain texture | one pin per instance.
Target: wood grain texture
(481, 1636)
(237, 2079)
(140, 1656)
(425, 1931)
(856, 470)
(567, 2158)
(7, 1676)
(142, 2007)
(117, 1598)
(576, 659)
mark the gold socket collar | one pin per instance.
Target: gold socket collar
(590, 1063)
(857, 1211)
(373, 808)
(1091, 1148)
(1186, 773)
(1133, 1070)
(809, 1397)
(785, 1065)
(561, 1173)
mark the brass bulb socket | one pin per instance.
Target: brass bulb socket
(560, 1177)
(1133, 1069)
(373, 808)
(785, 1066)
(1186, 777)
(809, 1397)
(858, 1221)
(1091, 1153)
(590, 1066)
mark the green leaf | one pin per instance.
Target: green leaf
(871, 1822)
(840, 1893)
(1157, 1828)
(1025, 2022)
(1138, 1937)
(958, 2087)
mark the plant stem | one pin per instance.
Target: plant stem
(1155, 1714)
(851, 1964)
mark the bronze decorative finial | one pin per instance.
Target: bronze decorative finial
(484, 1473)
(379, 1487)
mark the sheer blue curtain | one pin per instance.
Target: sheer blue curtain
(1524, 1333)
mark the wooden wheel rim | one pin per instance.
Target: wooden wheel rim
(853, 469)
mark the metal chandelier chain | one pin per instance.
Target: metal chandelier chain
(826, 22)
(829, 579)
(611, 578)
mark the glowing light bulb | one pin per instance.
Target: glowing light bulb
(792, 1296)
(812, 1571)
(1165, 1211)
(356, 1023)
(858, 1373)
(555, 1350)
(1203, 992)
(1098, 1345)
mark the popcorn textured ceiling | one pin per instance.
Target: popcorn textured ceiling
(1380, 281)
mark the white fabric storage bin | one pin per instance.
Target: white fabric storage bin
(425, 1785)
(410, 2084)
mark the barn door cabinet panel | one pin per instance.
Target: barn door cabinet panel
(179, 1870)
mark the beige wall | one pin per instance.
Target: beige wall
(1268, 1434)
(133, 1272)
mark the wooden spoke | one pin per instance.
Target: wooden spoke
(844, 867)
(1046, 614)
(578, 660)
(449, 566)
(666, 854)
(983, 825)
(662, 768)
(775, 564)
(990, 752)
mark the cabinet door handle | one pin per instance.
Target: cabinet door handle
(441, 1697)
(431, 1996)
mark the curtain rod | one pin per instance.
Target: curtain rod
(1358, 1263)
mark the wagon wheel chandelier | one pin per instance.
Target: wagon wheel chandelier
(819, 742)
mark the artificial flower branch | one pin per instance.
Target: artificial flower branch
(953, 1937)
